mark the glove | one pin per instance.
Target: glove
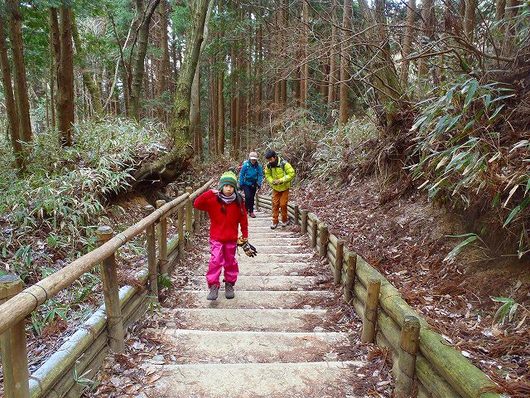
(249, 249)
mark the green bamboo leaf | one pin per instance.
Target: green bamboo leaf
(473, 85)
(458, 248)
(496, 112)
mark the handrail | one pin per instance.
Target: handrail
(18, 307)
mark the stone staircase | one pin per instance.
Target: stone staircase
(278, 337)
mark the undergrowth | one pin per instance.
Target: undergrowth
(317, 151)
(466, 156)
(49, 214)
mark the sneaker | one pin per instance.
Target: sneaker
(284, 223)
(274, 225)
(214, 292)
(229, 290)
(252, 214)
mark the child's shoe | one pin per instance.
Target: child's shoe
(274, 225)
(229, 290)
(214, 292)
(284, 223)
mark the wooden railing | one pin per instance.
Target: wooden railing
(84, 351)
(420, 355)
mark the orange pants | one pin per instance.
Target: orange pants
(279, 202)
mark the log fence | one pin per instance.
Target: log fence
(83, 353)
(424, 365)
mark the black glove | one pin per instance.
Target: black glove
(249, 249)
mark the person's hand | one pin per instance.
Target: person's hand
(276, 182)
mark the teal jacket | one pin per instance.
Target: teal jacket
(283, 171)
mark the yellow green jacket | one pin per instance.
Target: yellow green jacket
(283, 172)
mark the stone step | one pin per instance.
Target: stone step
(280, 248)
(260, 268)
(253, 299)
(275, 282)
(286, 240)
(269, 257)
(228, 319)
(192, 346)
(278, 380)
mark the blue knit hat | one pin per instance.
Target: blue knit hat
(228, 178)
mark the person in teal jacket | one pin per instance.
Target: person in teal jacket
(279, 174)
(250, 180)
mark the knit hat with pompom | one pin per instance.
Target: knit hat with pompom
(228, 178)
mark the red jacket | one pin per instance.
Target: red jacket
(223, 225)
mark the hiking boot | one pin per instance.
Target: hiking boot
(252, 214)
(229, 290)
(214, 292)
(274, 225)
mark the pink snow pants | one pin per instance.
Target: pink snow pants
(222, 254)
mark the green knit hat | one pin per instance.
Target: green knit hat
(228, 178)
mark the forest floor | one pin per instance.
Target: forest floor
(407, 239)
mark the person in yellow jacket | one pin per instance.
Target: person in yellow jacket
(279, 174)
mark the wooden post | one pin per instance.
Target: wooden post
(304, 221)
(151, 256)
(180, 230)
(109, 280)
(189, 212)
(13, 345)
(339, 258)
(324, 238)
(314, 233)
(408, 348)
(351, 260)
(256, 198)
(370, 311)
(296, 215)
(162, 240)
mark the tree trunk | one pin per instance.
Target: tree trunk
(407, 42)
(195, 114)
(12, 116)
(220, 114)
(182, 152)
(88, 81)
(145, 17)
(500, 7)
(427, 14)
(304, 83)
(212, 131)
(65, 79)
(469, 19)
(19, 68)
(259, 76)
(333, 78)
(512, 8)
(165, 66)
(344, 105)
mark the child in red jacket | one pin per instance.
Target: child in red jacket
(226, 211)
